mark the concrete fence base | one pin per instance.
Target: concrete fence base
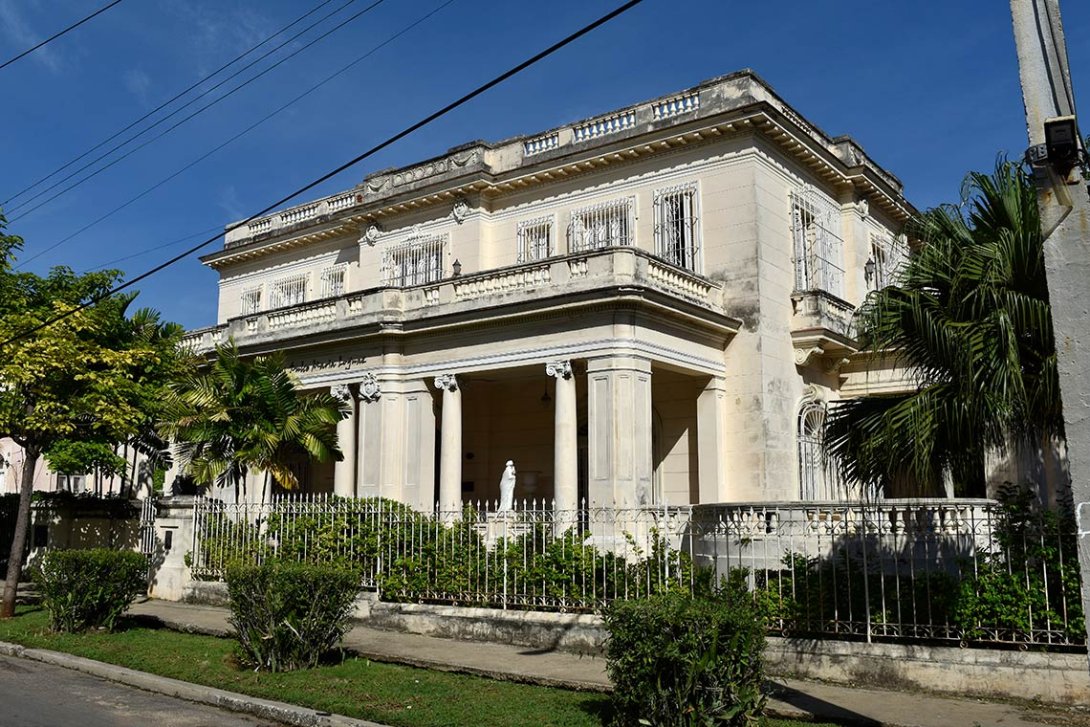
(1056, 678)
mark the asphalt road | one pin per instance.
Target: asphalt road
(40, 695)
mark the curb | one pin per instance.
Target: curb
(231, 701)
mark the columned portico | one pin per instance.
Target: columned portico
(619, 423)
(344, 471)
(450, 448)
(565, 438)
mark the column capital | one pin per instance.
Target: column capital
(369, 388)
(446, 382)
(559, 369)
(341, 392)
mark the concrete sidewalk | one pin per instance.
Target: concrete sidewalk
(791, 698)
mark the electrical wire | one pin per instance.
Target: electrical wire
(231, 140)
(515, 70)
(53, 37)
(196, 113)
(166, 103)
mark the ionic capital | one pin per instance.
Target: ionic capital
(446, 382)
(559, 369)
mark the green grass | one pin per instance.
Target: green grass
(390, 694)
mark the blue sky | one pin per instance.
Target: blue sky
(930, 88)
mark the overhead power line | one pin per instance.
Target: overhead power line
(166, 103)
(334, 172)
(53, 37)
(233, 139)
(186, 105)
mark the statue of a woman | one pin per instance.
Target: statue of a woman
(507, 488)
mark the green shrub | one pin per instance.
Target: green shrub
(678, 660)
(84, 589)
(288, 615)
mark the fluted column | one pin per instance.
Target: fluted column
(450, 448)
(565, 441)
(344, 472)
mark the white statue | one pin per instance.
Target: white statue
(507, 488)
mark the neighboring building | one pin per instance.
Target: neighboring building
(45, 480)
(652, 305)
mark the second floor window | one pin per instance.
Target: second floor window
(415, 262)
(606, 224)
(333, 281)
(815, 225)
(677, 225)
(887, 255)
(288, 291)
(535, 239)
(251, 301)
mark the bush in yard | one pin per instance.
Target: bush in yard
(84, 589)
(678, 660)
(288, 615)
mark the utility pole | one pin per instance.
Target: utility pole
(1057, 155)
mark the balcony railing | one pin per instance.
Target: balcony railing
(608, 271)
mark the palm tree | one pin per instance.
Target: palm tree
(970, 319)
(236, 415)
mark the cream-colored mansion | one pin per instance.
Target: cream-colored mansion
(652, 305)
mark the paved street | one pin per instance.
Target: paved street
(40, 695)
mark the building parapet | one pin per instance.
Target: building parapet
(479, 164)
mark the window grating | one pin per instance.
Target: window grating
(535, 239)
(606, 224)
(251, 301)
(333, 280)
(288, 291)
(815, 225)
(415, 262)
(887, 256)
(677, 226)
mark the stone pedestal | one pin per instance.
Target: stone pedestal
(173, 542)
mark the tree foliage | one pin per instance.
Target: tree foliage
(970, 318)
(98, 375)
(237, 415)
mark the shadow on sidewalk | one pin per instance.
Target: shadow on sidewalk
(819, 708)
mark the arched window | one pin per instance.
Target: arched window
(810, 433)
(817, 480)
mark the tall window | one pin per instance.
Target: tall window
(817, 481)
(815, 230)
(606, 224)
(677, 225)
(288, 291)
(415, 262)
(887, 256)
(251, 301)
(333, 280)
(535, 239)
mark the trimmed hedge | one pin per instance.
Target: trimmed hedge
(84, 589)
(678, 660)
(287, 616)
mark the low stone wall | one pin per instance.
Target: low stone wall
(578, 633)
(1058, 678)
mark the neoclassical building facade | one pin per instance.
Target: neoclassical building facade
(648, 306)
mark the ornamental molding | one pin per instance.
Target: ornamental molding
(371, 234)
(341, 392)
(446, 382)
(559, 369)
(460, 210)
(370, 390)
